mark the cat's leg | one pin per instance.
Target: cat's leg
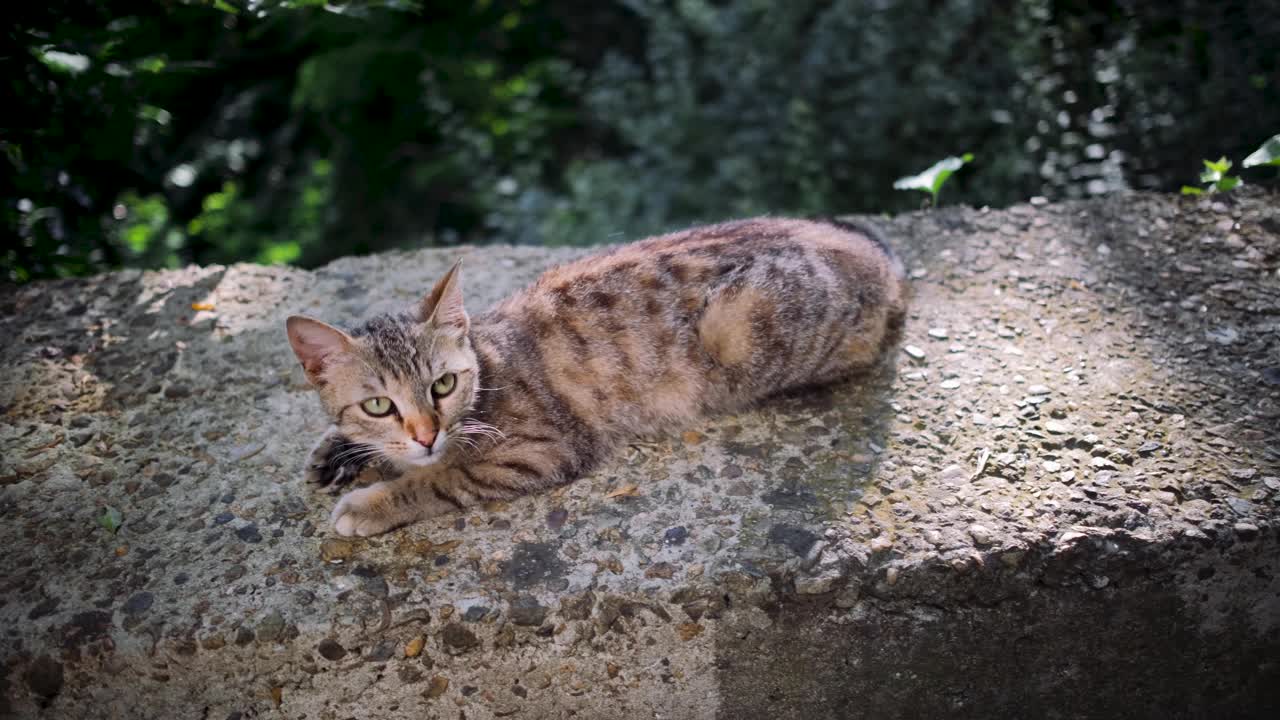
(393, 503)
(515, 467)
(335, 462)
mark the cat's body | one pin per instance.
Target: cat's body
(646, 338)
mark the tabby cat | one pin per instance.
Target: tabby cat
(449, 410)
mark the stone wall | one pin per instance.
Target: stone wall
(1058, 499)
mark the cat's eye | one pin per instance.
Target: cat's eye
(378, 406)
(443, 385)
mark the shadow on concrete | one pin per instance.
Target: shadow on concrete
(1201, 293)
(1176, 634)
(1137, 653)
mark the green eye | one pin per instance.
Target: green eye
(378, 406)
(443, 385)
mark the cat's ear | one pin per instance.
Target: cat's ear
(443, 307)
(317, 345)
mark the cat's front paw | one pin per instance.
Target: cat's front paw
(335, 462)
(366, 511)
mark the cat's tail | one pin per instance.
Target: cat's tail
(873, 233)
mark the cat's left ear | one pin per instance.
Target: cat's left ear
(443, 307)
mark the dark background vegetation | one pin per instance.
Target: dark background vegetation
(159, 133)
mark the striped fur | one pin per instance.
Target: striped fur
(642, 339)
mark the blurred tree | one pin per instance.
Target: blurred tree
(1141, 91)
(814, 106)
(159, 133)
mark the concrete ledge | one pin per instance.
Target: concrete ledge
(1059, 499)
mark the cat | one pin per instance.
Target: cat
(440, 411)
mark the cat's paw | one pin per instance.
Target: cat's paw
(335, 463)
(329, 478)
(365, 512)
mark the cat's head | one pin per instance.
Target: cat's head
(399, 385)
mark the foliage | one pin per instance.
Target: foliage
(1215, 178)
(111, 520)
(153, 135)
(1268, 154)
(748, 106)
(298, 131)
(932, 180)
(805, 107)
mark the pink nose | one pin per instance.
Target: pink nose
(421, 429)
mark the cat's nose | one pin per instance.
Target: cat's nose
(421, 429)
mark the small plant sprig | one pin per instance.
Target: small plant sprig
(1215, 178)
(932, 180)
(111, 520)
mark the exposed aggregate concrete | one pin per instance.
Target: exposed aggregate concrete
(1059, 498)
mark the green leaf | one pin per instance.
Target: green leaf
(1213, 170)
(65, 62)
(1268, 154)
(111, 519)
(1222, 165)
(932, 180)
(1228, 183)
(12, 152)
(151, 64)
(1189, 190)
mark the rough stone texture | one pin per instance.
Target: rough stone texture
(1058, 500)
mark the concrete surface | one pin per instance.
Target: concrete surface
(1058, 499)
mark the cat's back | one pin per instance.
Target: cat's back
(703, 319)
(682, 265)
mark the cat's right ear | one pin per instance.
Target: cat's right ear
(317, 345)
(443, 306)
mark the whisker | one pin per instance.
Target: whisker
(477, 426)
(368, 459)
(354, 447)
(353, 451)
(480, 432)
(348, 457)
(360, 454)
(483, 432)
(485, 436)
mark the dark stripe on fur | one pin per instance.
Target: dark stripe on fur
(521, 467)
(867, 230)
